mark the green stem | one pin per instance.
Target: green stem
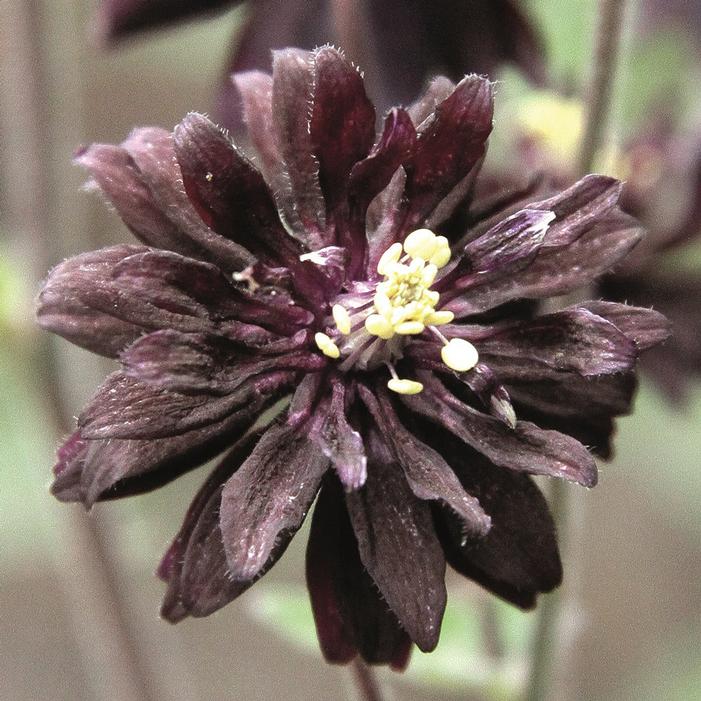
(549, 645)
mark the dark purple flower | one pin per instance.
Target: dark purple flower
(410, 39)
(406, 358)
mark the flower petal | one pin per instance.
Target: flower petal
(518, 558)
(350, 615)
(268, 498)
(645, 327)
(126, 290)
(67, 305)
(398, 547)
(256, 91)
(142, 180)
(572, 340)
(127, 408)
(300, 200)
(554, 271)
(229, 193)
(438, 90)
(525, 448)
(505, 248)
(429, 477)
(449, 145)
(582, 407)
(342, 123)
(580, 207)
(195, 363)
(92, 470)
(338, 440)
(194, 566)
(372, 175)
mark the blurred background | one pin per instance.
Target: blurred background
(78, 599)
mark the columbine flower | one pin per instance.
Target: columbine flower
(404, 355)
(410, 39)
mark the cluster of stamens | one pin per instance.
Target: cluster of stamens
(404, 305)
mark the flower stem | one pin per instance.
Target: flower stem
(546, 653)
(366, 683)
(549, 647)
(608, 42)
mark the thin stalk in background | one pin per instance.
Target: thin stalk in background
(550, 645)
(366, 685)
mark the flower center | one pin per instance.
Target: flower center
(403, 305)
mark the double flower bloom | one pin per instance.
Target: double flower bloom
(423, 385)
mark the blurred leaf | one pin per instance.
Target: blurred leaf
(459, 664)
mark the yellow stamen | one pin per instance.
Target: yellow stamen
(390, 256)
(420, 244)
(379, 326)
(342, 318)
(404, 386)
(459, 355)
(442, 254)
(439, 318)
(407, 328)
(326, 345)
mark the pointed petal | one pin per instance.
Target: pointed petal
(518, 558)
(142, 180)
(505, 248)
(526, 448)
(66, 304)
(449, 145)
(92, 470)
(573, 340)
(268, 498)
(645, 327)
(399, 548)
(554, 271)
(582, 407)
(342, 123)
(349, 613)
(438, 90)
(338, 440)
(372, 175)
(199, 364)
(429, 477)
(256, 91)
(300, 199)
(229, 193)
(206, 586)
(580, 207)
(127, 408)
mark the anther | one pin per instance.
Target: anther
(326, 345)
(404, 386)
(389, 257)
(459, 355)
(342, 319)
